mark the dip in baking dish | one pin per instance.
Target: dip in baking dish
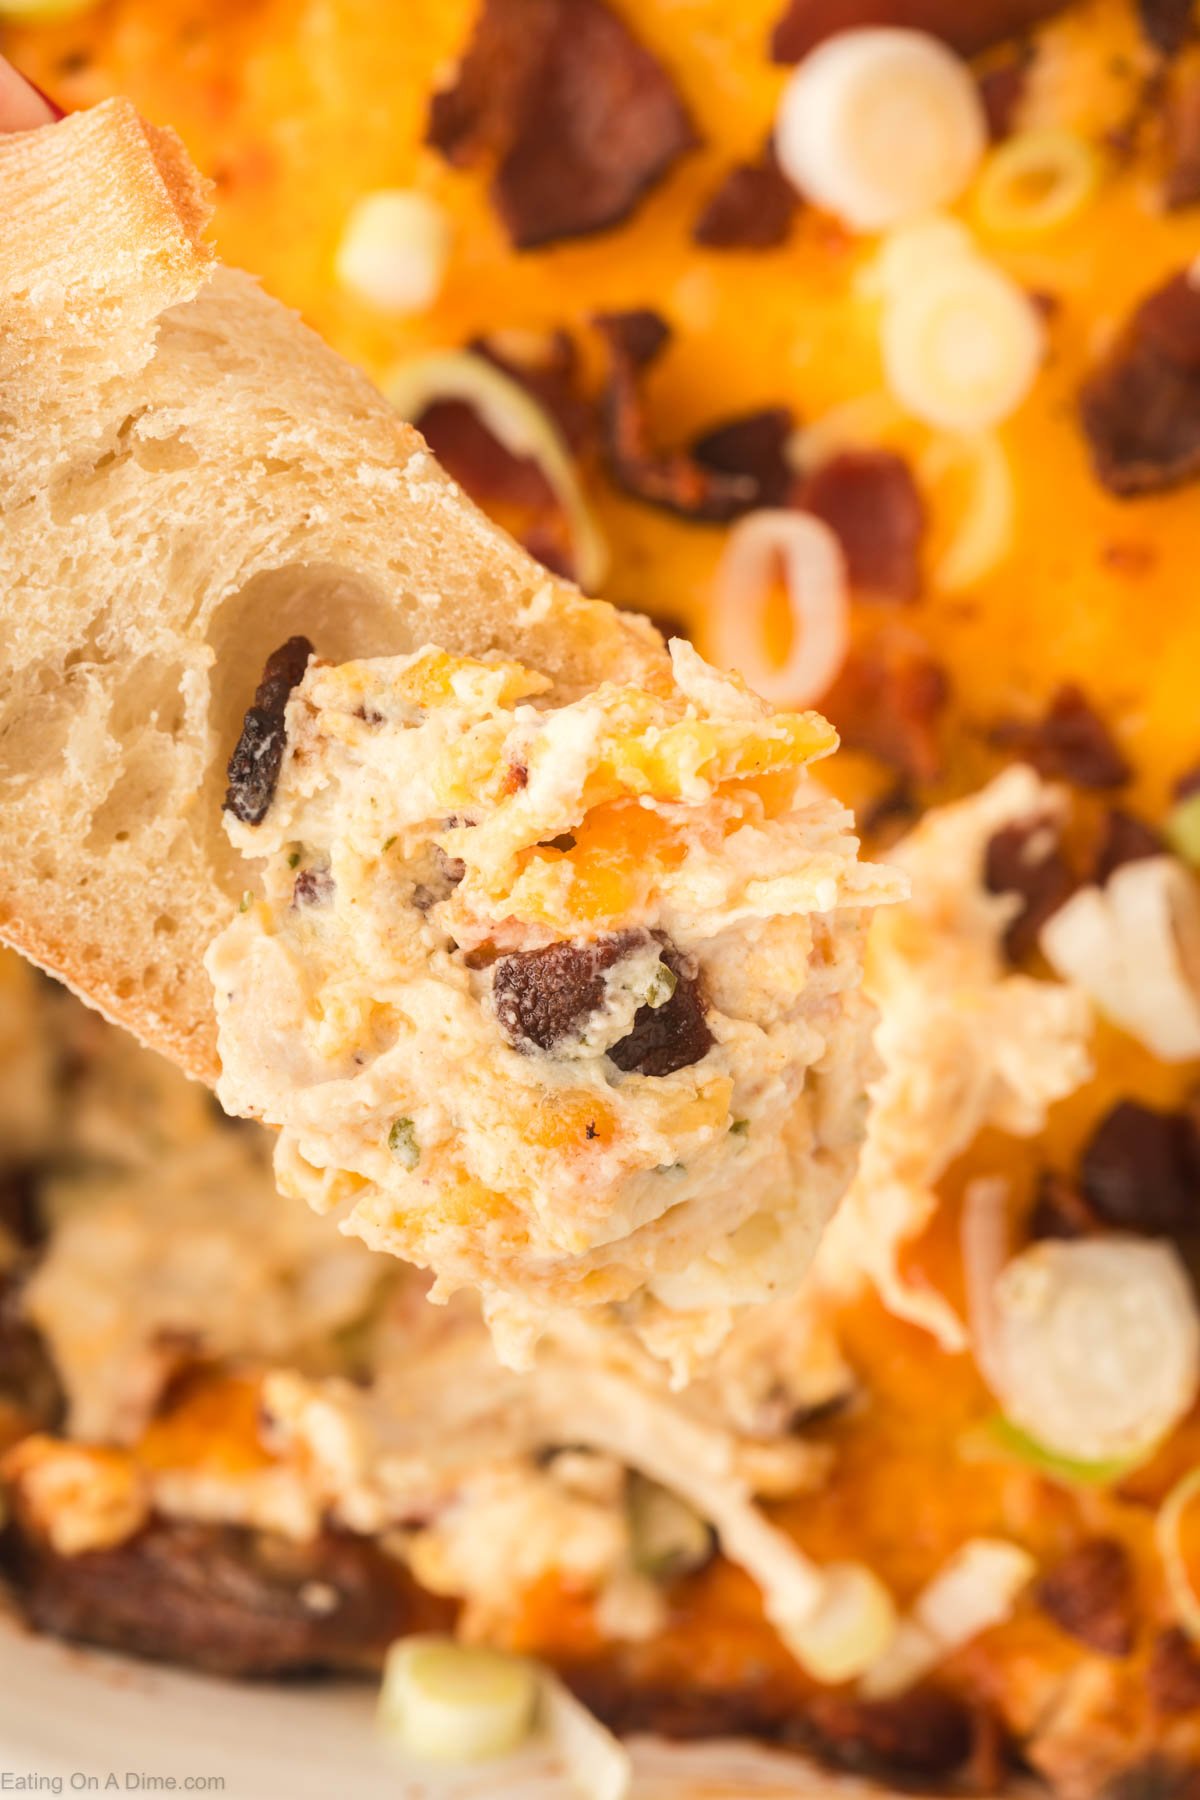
(985, 1396)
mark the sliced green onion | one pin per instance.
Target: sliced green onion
(851, 1626)
(597, 1764)
(448, 1702)
(667, 1538)
(998, 1440)
(978, 1587)
(516, 420)
(1183, 829)
(402, 1142)
(661, 986)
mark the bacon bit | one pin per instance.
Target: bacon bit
(1089, 1595)
(225, 1600)
(1070, 743)
(21, 1214)
(675, 480)
(543, 996)
(512, 489)
(674, 1035)
(578, 116)
(551, 374)
(1027, 859)
(869, 500)
(1141, 408)
(967, 28)
(1126, 839)
(257, 757)
(888, 701)
(1002, 89)
(751, 209)
(1060, 1210)
(1182, 184)
(1173, 1672)
(753, 445)
(1138, 1170)
(1166, 24)
(312, 887)
(923, 1732)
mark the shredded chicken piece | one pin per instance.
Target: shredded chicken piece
(965, 1044)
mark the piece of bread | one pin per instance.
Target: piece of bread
(189, 476)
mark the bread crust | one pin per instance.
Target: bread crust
(188, 476)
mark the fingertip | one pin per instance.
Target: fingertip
(23, 105)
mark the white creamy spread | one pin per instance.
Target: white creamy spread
(191, 1254)
(450, 1452)
(562, 1003)
(965, 1043)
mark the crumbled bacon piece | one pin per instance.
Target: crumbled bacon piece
(674, 479)
(227, 1601)
(924, 1732)
(21, 1213)
(672, 1036)
(1166, 24)
(1173, 1672)
(1141, 408)
(1182, 185)
(511, 489)
(258, 754)
(1126, 839)
(543, 997)
(753, 445)
(580, 118)
(1059, 1209)
(752, 208)
(1002, 89)
(1138, 1170)
(549, 371)
(1027, 859)
(1089, 1595)
(869, 499)
(888, 701)
(312, 887)
(1070, 742)
(968, 26)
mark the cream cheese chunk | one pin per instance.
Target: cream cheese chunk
(559, 1001)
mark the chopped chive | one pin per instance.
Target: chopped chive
(388, 842)
(740, 1128)
(662, 985)
(402, 1142)
(246, 901)
(294, 860)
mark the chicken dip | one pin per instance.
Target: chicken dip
(843, 1248)
(561, 1003)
